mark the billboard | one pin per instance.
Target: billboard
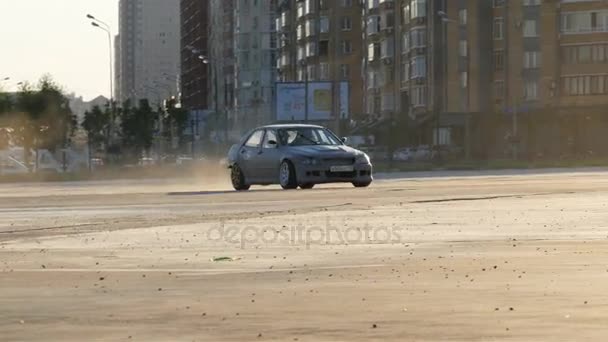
(291, 104)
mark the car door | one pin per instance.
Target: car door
(248, 154)
(269, 158)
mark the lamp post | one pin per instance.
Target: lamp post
(102, 25)
(443, 16)
(208, 61)
(105, 27)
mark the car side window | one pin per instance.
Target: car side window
(271, 135)
(255, 139)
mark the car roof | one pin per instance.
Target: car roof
(291, 126)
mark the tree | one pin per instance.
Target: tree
(42, 118)
(97, 125)
(137, 126)
(175, 121)
(6, 105)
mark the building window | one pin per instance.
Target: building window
(462, 16)
(311, 72)
(387, 47)
(463, 48)
(531, 59)
(498, 27)
(323, 48)
(346, 3)
(347, 47)
(418, 9)
(310, 28)
(585, 85)
(582, 54)
(499, 60)
(418, 96)
(498, 3)
(405, 71)
(584, 22)
(499, 89)
(464, 79)
(531, 90)
(373, 51)
(324, 24)
(373, 24)
(405, 15)
(405, 44)
(345, 71)
(309, 7)
(311, 49)
(388, 20)
(530, 28)
(418, 38)
(419, 67)
(347, 24)
(372, 79)
(323, 71)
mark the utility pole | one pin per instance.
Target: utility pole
(515, 133)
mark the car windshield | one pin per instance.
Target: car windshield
(305, 136)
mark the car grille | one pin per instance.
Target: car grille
(339, 162)
(341, 174)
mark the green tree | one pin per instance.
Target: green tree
(175, 122)
(43, 118)
(97, 125)
(137, 125)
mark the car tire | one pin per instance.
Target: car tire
(307, 186)
(287, 176)
(238, 179)
(361, 184)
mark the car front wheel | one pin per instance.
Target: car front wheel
(287, 176)
(238, 179)
(362, 184)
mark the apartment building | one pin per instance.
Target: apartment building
(222, 60)
(550, 60)
(195, 79)
(426, 65)
(255, 56)
(149, 49)
(320, 40)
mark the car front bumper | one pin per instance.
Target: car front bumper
(319, 174)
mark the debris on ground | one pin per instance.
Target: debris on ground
(224, 258)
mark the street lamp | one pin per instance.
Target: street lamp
(207, 61)
(6, 79)
(105, 27)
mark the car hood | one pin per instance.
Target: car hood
(324, 151)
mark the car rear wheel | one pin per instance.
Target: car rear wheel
(287, 176)
(361, 184)
(238, 179)
(307, 186)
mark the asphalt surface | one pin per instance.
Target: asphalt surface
(470, 256)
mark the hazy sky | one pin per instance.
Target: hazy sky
(55, 37)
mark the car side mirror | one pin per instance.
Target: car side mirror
(272, 143)
(344, 140)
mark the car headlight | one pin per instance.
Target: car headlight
(310, 161)
(363, 159)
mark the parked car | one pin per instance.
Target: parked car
(404, 154)
(423, 153)
(296, 156)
